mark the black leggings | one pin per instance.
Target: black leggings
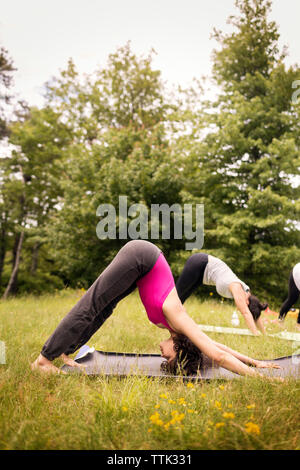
(133, 261)
(293, 296)
(191, 276)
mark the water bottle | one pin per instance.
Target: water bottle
(235, 319)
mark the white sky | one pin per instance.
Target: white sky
(42, 35)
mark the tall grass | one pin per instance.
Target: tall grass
(81, 412)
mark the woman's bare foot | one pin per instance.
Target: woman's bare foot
(70, 362)
(44, 365)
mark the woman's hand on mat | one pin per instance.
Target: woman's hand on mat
(266, 365)
(44, 365)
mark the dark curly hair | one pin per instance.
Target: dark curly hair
(256, 307)
(188, 358)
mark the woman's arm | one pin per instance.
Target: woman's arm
(239, 356)
(248, 360)
(181, 322)
(240, 298)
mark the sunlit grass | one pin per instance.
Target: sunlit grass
(81, 412)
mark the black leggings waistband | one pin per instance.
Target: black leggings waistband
(293, 296)
(192, 275)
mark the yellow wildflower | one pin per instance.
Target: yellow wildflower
(218, 405)
(124, 408)
(228, 415)
(157, 406)
(203, 395)
(177, 416)
(220, 425)
(252, 428)
(172, 402)
(250, 407)
(155, 419)
(181, 401)
(190, 385)
(163, 395)
(221, 387)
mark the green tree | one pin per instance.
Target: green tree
(30, 186)
(119, 119)
(6, 76)
(245, 169)
(6, 70)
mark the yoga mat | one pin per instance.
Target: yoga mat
(224, 329)
(243, 331)
(287, 335)
(124, 364)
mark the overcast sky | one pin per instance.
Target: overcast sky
(41, 35)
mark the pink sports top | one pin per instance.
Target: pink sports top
(154, 288)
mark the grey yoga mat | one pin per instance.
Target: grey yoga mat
(124, 364)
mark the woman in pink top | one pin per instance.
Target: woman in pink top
(141, 264)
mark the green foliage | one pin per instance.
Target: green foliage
(6, 69)
(120, 147)
(120, 132)
(248, 54)
(29, 180)
(247, 165)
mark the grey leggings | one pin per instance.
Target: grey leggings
(133, 261)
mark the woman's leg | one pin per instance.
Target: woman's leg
(118, 280)
(191, 276)
(292, 298)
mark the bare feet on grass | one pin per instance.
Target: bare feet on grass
(44, 365)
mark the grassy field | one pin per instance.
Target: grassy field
(81, 412)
